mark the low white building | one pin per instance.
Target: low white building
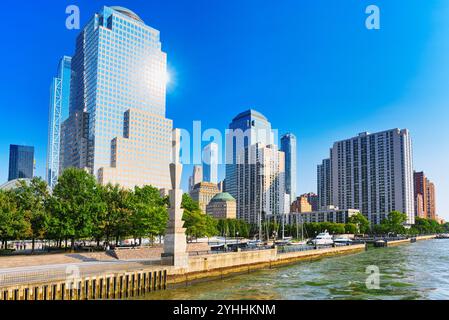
(329, 214)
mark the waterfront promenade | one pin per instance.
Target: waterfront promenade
(101, 273)
(117, 279)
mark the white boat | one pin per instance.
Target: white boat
(323, 238)
(342, 241)
(299, 243)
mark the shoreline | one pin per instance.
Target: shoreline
(132, 284)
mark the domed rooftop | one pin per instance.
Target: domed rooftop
(127, 12)
(250, 113)
(223, 197)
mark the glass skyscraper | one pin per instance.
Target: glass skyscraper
(21, 162)
(289, 147)
(210, 163)
(58, 113)
(117, 127)
(246, 129)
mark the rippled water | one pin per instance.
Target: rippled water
(415, 271)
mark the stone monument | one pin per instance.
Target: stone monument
(175, 240)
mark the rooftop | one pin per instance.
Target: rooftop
(223, 197)
(250, 113)
(127, 12)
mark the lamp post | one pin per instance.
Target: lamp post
(238, 240)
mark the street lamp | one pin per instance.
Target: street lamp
(238, 240)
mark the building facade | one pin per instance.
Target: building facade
(313, 200)
(246, 129)
(117, 127)
(289, 147)
(210, 163)
(374, 174)
(222, 206)
(425, 206)
(21, 162)
(324, 183)
(431, 206)
(196, 177)
(301, 204)
(330, 214)
(58, 113)
(203, 193)
(260, 183)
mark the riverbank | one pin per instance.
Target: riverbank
(141, 280)
(125, 279)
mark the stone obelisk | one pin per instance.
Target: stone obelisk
(175, 240)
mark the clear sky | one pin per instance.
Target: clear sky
(310, 66)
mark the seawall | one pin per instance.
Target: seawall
(128, 284)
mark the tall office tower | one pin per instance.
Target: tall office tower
(420, 194)
(21, 162)
(289, 147)
(431, 207)
(210, 163)
(324, 184)
(118, 99)
(58, 113)
(246, 129)
(196, 177)
(424, 196)
(374, 173)
(260, 182)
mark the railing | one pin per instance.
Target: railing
(61, 273)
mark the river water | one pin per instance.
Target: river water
(411, 271)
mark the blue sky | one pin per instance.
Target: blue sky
(310, 66)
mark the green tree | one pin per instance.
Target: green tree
(362, 223)
(351, 228)
(8, 212)
(77, 205)
(197, 224)
(32, 200)
(150, 215)
(116, 221)
(394, 223)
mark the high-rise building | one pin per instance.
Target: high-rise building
(374, 174)
(246, 129)
(420, 190)
(425, 206)
(221, 186)
(21, 162)
(324, 184)
(210, 163)
(431, 207)
(196, 177)
(117, 127)
(58, 113)
(260, 182)
(419, 206)
(289, 147)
